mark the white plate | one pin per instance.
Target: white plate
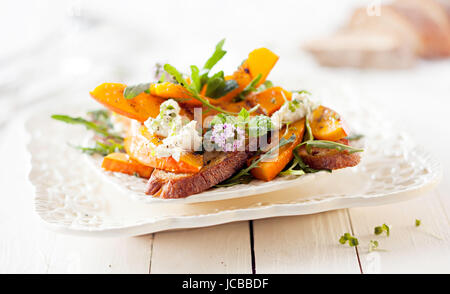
(72, 197)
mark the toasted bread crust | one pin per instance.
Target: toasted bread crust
(328, 158)
(165, 184)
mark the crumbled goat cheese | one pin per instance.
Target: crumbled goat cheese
(179, 137)
(187, 139)
(168, 121)
(294, 110)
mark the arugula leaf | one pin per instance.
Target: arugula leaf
(192, 90)
(176, 74)
(216, 86)
(249, 88)
(329, 145)
(217, 55)
(354, 137)
(309, 135)
(195, 78)
(223, 88)
(132, 91)
(101, 130)
(103, 149)
(292, 171)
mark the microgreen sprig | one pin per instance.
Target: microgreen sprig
(383, 228)
(101, 130)
(192, 89)
(329, 145)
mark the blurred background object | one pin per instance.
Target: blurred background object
(52, 47)
(392, 35)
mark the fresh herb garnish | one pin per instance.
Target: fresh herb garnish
(301, 92)
(328, 145)
(132, 91)
(264, 86)
(352, 241)
(251, 87)
(108, 147)
(217, 87)
(255, 126)
(308, 134)
(383, 228)
(100, 124)
(101, 130)
(418, 222)
(354, 137)
(373, 245)
(192, 88)
(236, 179)
(217, 55)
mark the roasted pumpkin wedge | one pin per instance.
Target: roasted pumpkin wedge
(139, 108)
(268, 170)
(261, 61)
(175, 91)
(139, 146)
(269, 100)
(121, 162)
(327, 124)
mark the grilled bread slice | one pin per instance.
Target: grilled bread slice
(219, 167)
(321, 158)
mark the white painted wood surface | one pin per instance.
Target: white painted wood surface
(304, 244)
(218, 249)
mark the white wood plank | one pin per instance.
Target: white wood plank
(108, 255)
(218, 249)
(409, 249)
(304, 244)
(27, 247)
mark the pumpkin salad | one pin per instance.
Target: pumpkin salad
(190, 132)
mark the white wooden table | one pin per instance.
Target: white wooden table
(418, 102)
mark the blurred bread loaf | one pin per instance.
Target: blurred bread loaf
(394, 37)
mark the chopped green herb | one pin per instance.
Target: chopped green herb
(352, 241)
(373, 245)
(418, 222)
(383, 228)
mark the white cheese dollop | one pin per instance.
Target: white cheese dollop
(179, 136)
(167, 122)
(187, 139)
(294, 110)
